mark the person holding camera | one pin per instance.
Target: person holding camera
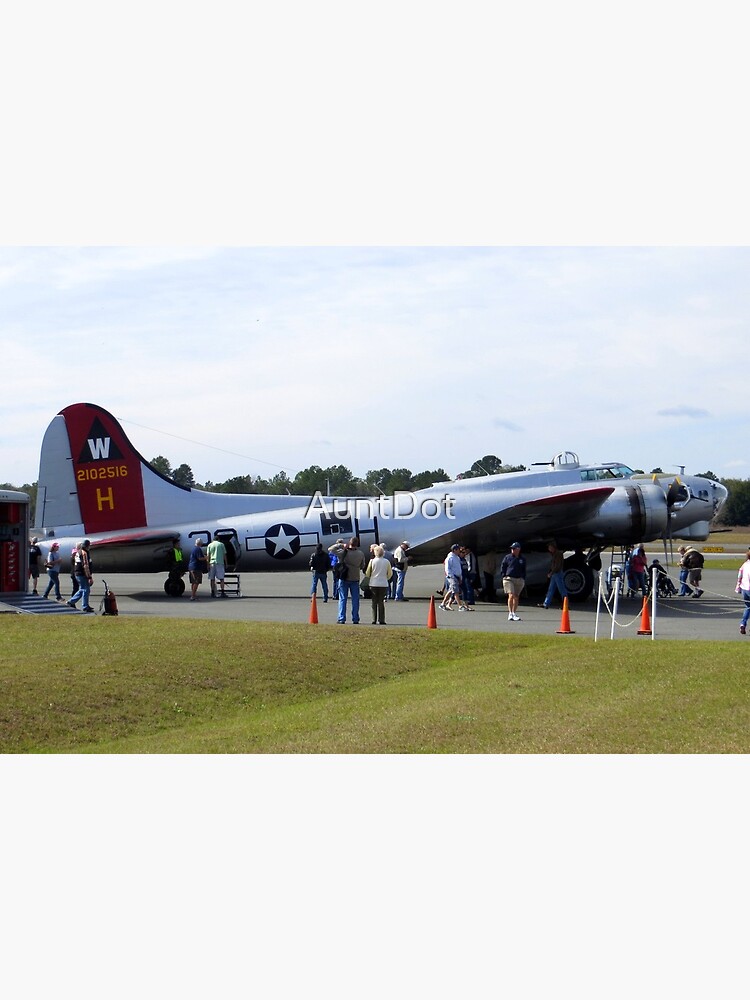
(401, 564)
(352, 561)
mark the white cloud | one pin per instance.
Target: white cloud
(691, 412)
(415, 357)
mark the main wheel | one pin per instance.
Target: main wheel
(174, 588)
(579, 581)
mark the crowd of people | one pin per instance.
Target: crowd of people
(382, 577)
(81, 572)
(467, 577)
(639, 574)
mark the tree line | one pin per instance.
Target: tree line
(335, 480)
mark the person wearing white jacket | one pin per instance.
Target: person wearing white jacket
(378, 572)
(743, 587)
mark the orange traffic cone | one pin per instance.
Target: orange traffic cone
(645, 628)
(313, 611)
(565, 628)
(431, 619)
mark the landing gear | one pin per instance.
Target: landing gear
(174, 586)
(579, 579)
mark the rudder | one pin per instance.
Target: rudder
(89, 473)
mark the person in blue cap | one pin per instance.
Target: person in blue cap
(513, 572)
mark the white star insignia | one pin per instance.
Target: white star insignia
(283, 542)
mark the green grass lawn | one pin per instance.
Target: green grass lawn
(728, 562)
(160, 686)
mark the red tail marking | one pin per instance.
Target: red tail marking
(107, 470)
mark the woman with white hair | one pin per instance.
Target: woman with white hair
(197, 566)
(378, 572)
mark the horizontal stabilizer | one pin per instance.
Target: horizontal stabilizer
(135, 538)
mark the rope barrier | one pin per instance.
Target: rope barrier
(688, 609)
(610, 611)
(736, 603)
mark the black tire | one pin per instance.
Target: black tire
(174, 588)
(579, 581)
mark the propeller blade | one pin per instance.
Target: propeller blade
(667, 539)
(676, 492)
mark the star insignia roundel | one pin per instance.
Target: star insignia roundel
(282, 541)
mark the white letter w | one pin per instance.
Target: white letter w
(99, 448)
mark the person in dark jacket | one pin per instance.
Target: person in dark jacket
(35, 562)
(513, 572)
(320, 563)
(694, 560)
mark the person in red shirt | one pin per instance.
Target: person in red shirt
(638, 567)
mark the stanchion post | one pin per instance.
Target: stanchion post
(614, 606)
(598, 607)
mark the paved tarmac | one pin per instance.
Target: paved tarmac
(284, 597)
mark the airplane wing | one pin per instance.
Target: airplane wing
(536, 520)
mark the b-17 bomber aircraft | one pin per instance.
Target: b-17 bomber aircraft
(94, 484)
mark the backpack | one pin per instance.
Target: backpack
(339, 570)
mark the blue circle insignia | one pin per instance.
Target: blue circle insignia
(282, 541)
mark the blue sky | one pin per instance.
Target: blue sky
(249, 360)
(135, 210)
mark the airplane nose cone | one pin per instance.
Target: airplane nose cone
(720, 494)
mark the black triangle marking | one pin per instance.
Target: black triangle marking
(98, 436)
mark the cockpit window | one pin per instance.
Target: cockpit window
(607, 472)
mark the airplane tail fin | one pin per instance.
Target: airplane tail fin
(92, 480)
(90, 475)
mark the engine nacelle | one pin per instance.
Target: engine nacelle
(633, 513)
